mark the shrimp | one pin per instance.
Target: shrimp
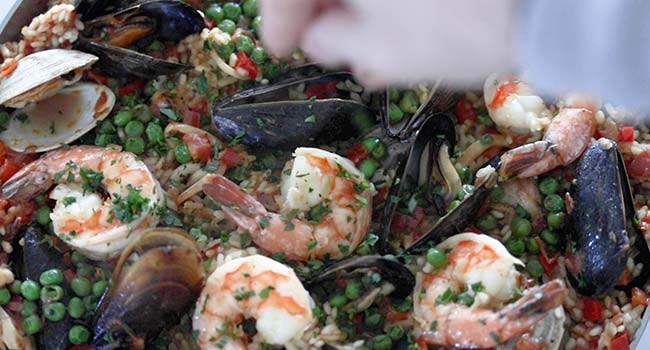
(102, 195)
(482, 266)
(513, 105)
(326, 207)
(565, 139)
(525, 192)
(257, 287)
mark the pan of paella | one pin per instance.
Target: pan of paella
(166, 183)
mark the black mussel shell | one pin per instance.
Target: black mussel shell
(266, 116)
(390, 270)
(602, 222)
(120, 62)
(157, 279)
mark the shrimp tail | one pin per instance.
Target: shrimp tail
(537, 302)
(230, 195)
(26, 185)
(529, 160)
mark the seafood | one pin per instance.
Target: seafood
(156, 280)
(59, 119)
(566, 137)
(257, 287)
(513, 105)
(524, 193)
(481, 268)
(266, 116)
(102, 195)
(57, 68)
(603, 234)
(325, 210)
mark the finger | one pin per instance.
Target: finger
(283, 22)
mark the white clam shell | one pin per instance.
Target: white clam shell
(39, 75)
(59, 119)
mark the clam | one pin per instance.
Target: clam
(58, 119)
(157, 279)
(42, 74)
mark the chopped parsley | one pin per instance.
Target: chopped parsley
(433, 326)
(446, 297)
(311, 119)
(200, 84)
(312, 244)
(69, 200)
(264, 293)
(129, 208)
(243, 294)
(91, 181)
(170, 113)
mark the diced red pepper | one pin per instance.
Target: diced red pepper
(627, 134)
(473, 229)
(464, 111)
(67, 258)
(69, 274)
(209, 23)
(502, 94)
(246, 64)
(8, 169)
(97, 77)
(624, 279)
(410, 222)
(132, 87)
(592, 309)
(390, 313)
(422, 344)
(548, 263)
(621, 341)
(640, 165)
(192, 118)
(323, 90)
(639, 297)
(492, 152)
(357, 153)
(230, 157)
(199, 146)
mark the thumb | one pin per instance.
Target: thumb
(283, 23)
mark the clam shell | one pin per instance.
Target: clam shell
(42, 74)
(58, 119)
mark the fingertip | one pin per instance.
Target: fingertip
(283, 23)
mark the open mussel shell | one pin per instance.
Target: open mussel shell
(603, 231)
(267, 116)
(121, 62)
(42, 74)
(390, 270)
(59, 119)
(157, 279)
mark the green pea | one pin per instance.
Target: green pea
(99, 287)
(256, 23)
(104, 139)
(32, 324)
(28, 308)
(78, 335)
(150, 88)
(134, 128)
(232, 11)
(51, 276)
(395, 114)
(250, 8)
(549, 185)
(106, 127)
(155, 45)
(85, 270)
(532, 246)
(453, 204)
(226, 50)
(555, 221)
(15, 287)
(215, 13)
(5, 296)
(227, 26)
(553, 203)
(258, 55)
(155, 133)
(534, 268)
(90, 302)
(122, 117)
(550, 237)
(134, 145)
(77, 258)
(436, 257)
(379, 151)
(245, 44)
(80, 286)
(486, 222)
(362, 121)
(368, 167)
(338, 300)
(396, 332)
(43, 215)
(371, 143)
(143, 113)
(497, 193)
(76, 307)
(409, 102)
(374, 320)
(170, 84)
(182, 153)
(381, 342)
(516, 246)
(271, 70)
(30, 290)
(54, 312)
(520, 227)
(466, 299)
(51, 293)
(40, 200)
(353, 289)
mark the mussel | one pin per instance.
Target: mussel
(266, 116)
(157, 279)
(603, 230)
(112, 36)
